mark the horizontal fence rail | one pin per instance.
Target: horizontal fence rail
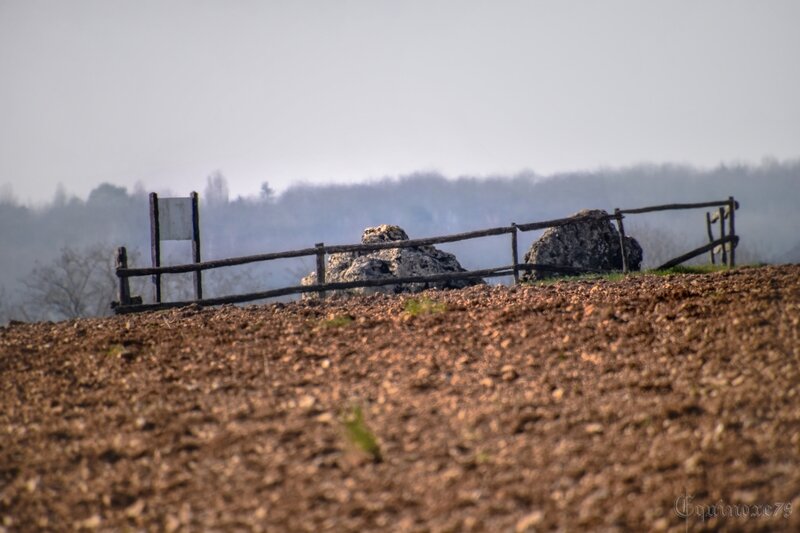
(733, 239)
(129, 304)
(335, 249)
(673, 207)
(563, 222)
(342, 285)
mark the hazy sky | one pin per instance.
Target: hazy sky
(166, 92)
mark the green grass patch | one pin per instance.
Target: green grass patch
(619, 276)
(611, 276)
(424, 306)
(115, 350)
(482, 458)
(683, 269)
(337, 321)
(359, 435)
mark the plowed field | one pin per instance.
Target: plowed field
(650, 403)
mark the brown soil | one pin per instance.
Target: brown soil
(573, 405)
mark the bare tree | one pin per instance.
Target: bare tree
(6, 307)
(78, 283)
(267, 193)
(216, 192)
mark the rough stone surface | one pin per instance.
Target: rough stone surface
(233, 418)
(392, 263)
(591, 244)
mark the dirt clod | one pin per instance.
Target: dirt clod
(637, 404)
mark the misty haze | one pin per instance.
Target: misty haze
(631, 370)
(424, 204)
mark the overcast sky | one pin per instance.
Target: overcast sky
(166, 92)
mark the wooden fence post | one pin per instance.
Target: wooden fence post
(710, 237)
(514, 253)
(732, 232)
(155, 245)
(622, 252)
(321, 266)
(198, 274)
(124, 285)
(722, 235)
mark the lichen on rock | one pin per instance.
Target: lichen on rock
(391, 263)
(591, 243)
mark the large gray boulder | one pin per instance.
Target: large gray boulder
(592, 243)
(391, 263)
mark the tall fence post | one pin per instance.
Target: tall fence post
(722, 235)
(710, 237)
(514, 253)
(124, 285)
(622, 251)
(198, 274)
(732, 232)
(155, 245)
(321, 266)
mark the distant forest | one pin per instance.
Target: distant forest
(66, 247)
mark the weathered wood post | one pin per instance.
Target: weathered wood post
(514, 254)
(619, 217)
(155, 245)
(722, 235)
(710, 237)
(320, 266)
(198, 275)
(124, 294)
(732, 232)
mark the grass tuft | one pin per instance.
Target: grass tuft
(424, 306)
(337, 321)
(115, 350)
(619, 276)
(482, 458)
(683, 269)
(359, 434)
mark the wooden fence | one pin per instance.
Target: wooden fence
(130, 304)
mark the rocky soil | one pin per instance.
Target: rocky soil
(569, 405)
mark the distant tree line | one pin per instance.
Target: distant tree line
(54, 252)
